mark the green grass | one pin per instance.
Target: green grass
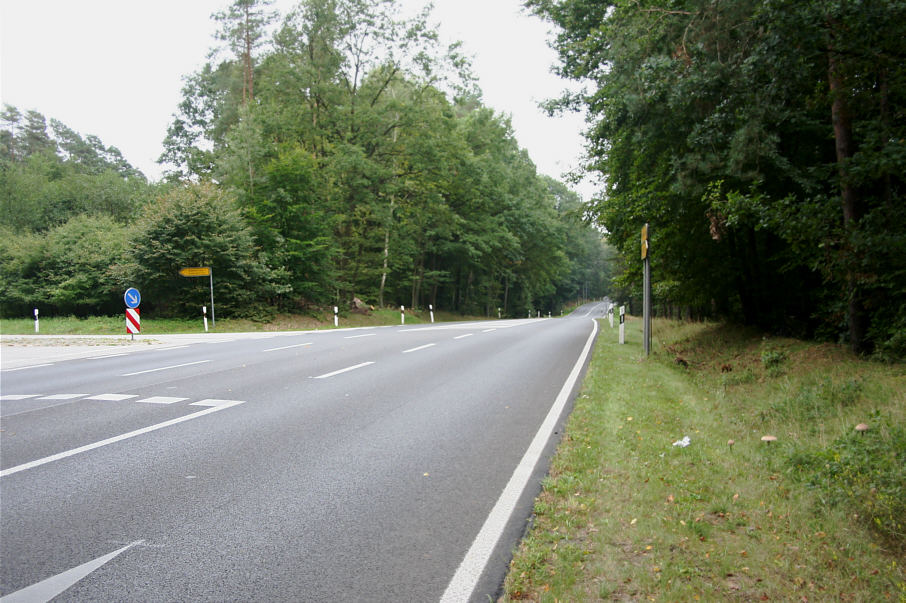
(116, 325)
(626, 515)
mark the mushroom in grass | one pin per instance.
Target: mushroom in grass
(768, 438)
(730, 443)
(861, 428)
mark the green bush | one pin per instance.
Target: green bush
(773, 360)
(863, 472)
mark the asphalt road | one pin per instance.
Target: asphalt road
(387, 464)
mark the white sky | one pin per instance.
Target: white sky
(114, 68)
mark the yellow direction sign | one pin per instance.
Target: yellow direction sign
(645, 241)
(205, 271)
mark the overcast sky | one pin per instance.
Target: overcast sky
(114, 68)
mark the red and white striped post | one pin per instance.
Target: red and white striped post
(133, 322)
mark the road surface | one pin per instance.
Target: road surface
(386, 464)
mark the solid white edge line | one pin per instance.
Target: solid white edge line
(47, 589)
(421, 347)
(345, 370)
(113, 440)
(164, 368)
(467, 575)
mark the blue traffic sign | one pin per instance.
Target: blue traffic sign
(133, 297)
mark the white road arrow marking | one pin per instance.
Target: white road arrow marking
(45, 590)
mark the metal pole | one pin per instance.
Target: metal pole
(646, 336)
(213, 320)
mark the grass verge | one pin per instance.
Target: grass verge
(626, 514)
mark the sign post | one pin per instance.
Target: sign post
(646, 293)
(133, 319)
(202, 271)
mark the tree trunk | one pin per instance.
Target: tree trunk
(856, 316)
(386, 255)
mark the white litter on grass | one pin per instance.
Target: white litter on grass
(683, 443)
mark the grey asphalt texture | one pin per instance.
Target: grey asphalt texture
(368, 485)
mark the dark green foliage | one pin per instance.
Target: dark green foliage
(864, 473)
(72, 269)
(763, 143)
(198, 225)
(45, 181)
(361, 177)
(352, 157)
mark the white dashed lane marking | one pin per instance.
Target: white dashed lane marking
(112, 397)
(161, 400)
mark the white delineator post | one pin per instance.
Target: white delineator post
(622, 326)
(431, 310)
(402, 315)
(204, 313)
(36, 320)
(336, 317)
(610, 315)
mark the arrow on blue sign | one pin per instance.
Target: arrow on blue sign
(132, 297)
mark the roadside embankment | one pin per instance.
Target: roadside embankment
(665, 488)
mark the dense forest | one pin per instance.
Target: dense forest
(338, 151)
(765, 144)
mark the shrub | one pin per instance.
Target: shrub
(773, 360)
(865, 472)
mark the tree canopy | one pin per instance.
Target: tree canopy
(337, 151)
(765, 144)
